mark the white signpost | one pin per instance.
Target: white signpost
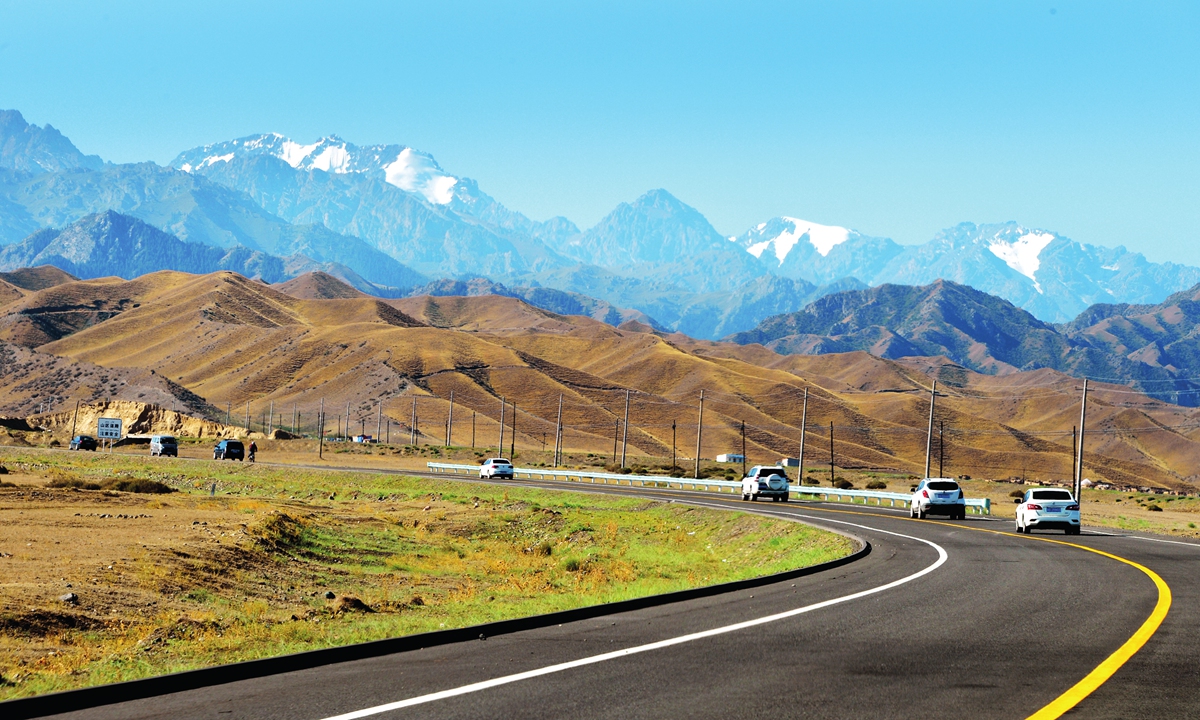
(108, 429)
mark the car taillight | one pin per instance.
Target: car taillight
(1031, 506)
(961, 496)
(924, 493)
(1073, 507)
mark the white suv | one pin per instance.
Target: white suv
(1048, 508)
(766, 481)
(938, 496)
(496, 468)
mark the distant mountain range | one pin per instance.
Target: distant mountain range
(389, 218)
(1156, 347)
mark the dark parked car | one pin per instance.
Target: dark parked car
(229, 450)
(83, 442)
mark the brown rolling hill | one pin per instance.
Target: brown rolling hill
(37, 278)
(318, 285)
(233, 341)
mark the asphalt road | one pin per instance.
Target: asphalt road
(1000, 626)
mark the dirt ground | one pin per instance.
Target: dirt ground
(100, 586)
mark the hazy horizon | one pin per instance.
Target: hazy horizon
(896, 121)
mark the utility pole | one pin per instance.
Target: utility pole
(672, 445)
(388, 437)
(75, 420)
(378, 419)
(512, 442)
(743, 448)
(625, 439)
(616, 436)
(1079, 456)
(347, 419)
(293, 418)
(831, 478)
(472, 429)
(929, 436)
(500, 448)
(321, 430)
(558, 433)
(272, 411)
(412, 424)
(803, 428)
(941, 448)
(247, 416)
(450, 421)
(1074, 450)
(699, 431)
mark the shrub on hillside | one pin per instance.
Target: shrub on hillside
(877, 485)
(137, 485)
(843, 484)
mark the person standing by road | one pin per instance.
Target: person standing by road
(253, 449)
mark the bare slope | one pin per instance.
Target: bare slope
(236, 341)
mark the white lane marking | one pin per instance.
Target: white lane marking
(1173, 542)
(1139, 537)
(507, 679)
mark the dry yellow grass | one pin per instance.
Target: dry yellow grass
(232, 340)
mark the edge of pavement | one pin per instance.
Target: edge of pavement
(100, 695)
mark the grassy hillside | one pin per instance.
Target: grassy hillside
(233, 341)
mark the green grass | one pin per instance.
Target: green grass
(421, 554)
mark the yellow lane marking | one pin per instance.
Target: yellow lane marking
(1106, 669)
(1111, 664)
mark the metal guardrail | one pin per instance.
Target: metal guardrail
(982, 506)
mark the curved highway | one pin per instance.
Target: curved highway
(941, 619)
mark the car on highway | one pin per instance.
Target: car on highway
(163, 445)
(229, 450)
(82, 442)
(496, 468)
(1049, 508)
(766, 481)
(938, 496)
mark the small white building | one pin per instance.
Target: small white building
(731, 458)
(789, 462)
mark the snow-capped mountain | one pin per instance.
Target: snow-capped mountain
(396, 198)
(817, 253)
(403, 167)
(1047, 274)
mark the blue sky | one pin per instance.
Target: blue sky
(897, 118)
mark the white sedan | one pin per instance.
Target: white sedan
(496, 468)
(1048, 508)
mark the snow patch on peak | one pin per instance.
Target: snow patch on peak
(1022, 254)
(293, 153)
(333, 158)
(823, 237)
(757, 248)
(214, 159)
(413, 171)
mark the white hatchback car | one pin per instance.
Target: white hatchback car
(496, 468)
(1048, 508)
(938, 496)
